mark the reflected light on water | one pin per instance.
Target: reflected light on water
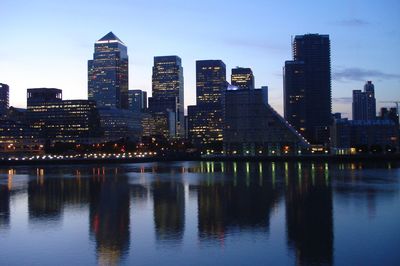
(283, 212)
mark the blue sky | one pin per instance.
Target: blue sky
(47, 43)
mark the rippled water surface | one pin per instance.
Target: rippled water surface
(201, 213)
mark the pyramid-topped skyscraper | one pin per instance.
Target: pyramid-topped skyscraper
(109, 38)
(108, 73)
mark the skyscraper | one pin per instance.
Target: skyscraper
(242, 78)
(4, 98)
(167, 89)
(364, 103)
(108, 73)
(205, 119)
(307, 87)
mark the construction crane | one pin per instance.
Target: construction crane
(396, 103)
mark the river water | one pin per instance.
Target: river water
(201, 213)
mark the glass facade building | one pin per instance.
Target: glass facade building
(137, 100)
(307, 87)
(242, 78)
(168, 90)
(120, 124)
(205, 120)
(160, 124)
(16, 136)
(108, 73)
(75, 121)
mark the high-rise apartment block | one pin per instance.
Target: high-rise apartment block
(307, 87)
(364, 103)
(108, 73)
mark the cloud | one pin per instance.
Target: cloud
(359, 74)
(342, 100)
(354, 22)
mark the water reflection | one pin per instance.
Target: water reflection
(228, 207)
(109, 215)
(231, 199)
(4, 207)
(169, 211)
(309, 214)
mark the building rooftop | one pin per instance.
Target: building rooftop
(110, 37)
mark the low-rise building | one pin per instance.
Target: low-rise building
(364, 136)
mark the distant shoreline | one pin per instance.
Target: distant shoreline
(302, 158)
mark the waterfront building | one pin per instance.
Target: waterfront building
(108, 73)
(364, 103)
(205, 119)
(137, 100)
(120, 124)
(16, 137)
(242, 78)
(362, 136)
(253, 127)
(307, 87)
(4, 99)
(59, 120)
(168, 91)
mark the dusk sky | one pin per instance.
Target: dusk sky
(48, 43)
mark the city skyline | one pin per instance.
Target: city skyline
(364, 39)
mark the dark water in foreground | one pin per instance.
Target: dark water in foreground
(201, 213)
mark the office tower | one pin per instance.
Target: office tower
(58, 120)
(40, 96)
(17, 136)
(242, 78)
(364, 103)
(307, 87)
(167, 90)
(108, 73)
(4, 98)
(253, 127)
(137, 100)
(205, 119)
